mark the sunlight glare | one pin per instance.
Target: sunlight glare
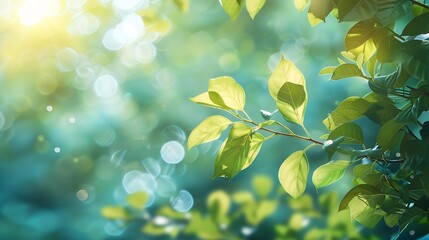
(32, 12)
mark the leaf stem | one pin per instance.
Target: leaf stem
(284, 126)
(305, 130)
(290, 135)
(419, 4)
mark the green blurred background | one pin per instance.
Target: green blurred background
(94, 105)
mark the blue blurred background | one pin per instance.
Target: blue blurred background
(94, 104)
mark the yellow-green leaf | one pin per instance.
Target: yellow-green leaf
(234, 152)
(219, 204)
(285, 71)
(327, 70)
(115, 213)
(183, 5)
(329, 173)
(226, 92)
(204, 99)
(138, 200)
(293, 174)
(351, 132)
(262, 185)
(208, 130)
(348, 110)
(301, 4)
(321, 8)
(347, 70)
(232, 7)
(253, 7)
(292, 101)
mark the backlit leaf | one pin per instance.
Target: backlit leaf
(293, 174)
(359, 34)
(321, 8)
(219, 203)
(291, 102)
(345, 71)
(348, 110)
(204, 100)
(301, 4)
(208, 130)
(285, 71)
(327, 70)
(226, 92)
(183, 5)
(115, 213)
(329, 173)
(253, 7)
(362, 189)
(232, 7)
(351, 132)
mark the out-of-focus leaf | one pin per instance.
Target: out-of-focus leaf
(115, 213)
(253, 7)
(183, 5)
(219, 204)
(203, 227)
(208, 130)
(291, 102)
(226, 92)
(138, 200)
(419, 25)
(327, 70)
(263, 185)
(242, 197)
(232, 7)
(301, 4)
(321, 8)
(351, 132)
(348, 110)
(329, 173)
(347, 70)
(357, 10)
(153, 229)
(293, 174)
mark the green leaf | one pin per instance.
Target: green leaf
(364, 213)
(208, 130)
(329, 173)
(264, 209)
(203, 227)
(386, 134)
(321, 8)
(351, 132)
(419, 25)
(313, 20)
(391, 10)
(293, 174)
(359, 34)
(115, 213)
(153, 229)
(238, 151)
(253, 7)
(285, 71)
(388, 50)
(255, 146)
(347, 70)
(410, 215)
(183, 5)
(362, 189)
(138, 200)
(301, 4)
(226, 92)
(417, 53)
(331, 146)
(292, 101)
(232, 7)
(263, 185)
(357, 10)
(348, 110)
(327, 70)
(204, 99)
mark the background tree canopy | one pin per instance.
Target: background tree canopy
(100, 138)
